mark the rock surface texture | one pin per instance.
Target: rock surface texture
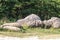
(55, 22)
(12, 28)
(33, 21)
(30, 20)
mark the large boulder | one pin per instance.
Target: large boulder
(32, 17)
(35, 23)
(11, 24)
(30, 20)
(55, 22)
(11, 28)
(56, 25)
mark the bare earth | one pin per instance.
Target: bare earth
(48, 37)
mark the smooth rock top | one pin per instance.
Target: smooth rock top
(32, 17)
(54, 19)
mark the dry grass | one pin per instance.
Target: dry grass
(31, 32)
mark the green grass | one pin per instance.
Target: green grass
(30, 32)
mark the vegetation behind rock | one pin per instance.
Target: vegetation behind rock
(17, 9)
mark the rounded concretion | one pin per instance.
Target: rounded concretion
(12, 24)
(12, 28)
(32, 17)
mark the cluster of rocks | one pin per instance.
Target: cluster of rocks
(32, 21)
(53, 22)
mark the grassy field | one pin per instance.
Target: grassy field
(31, 32)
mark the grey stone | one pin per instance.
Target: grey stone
(11, 24)
(21, 21)
(56, 25)
(11, 28)
(55, 22)
(39, 23)
(30, 20)
(32, 17)
(47, 23)
(36, 23)
(53, 19)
